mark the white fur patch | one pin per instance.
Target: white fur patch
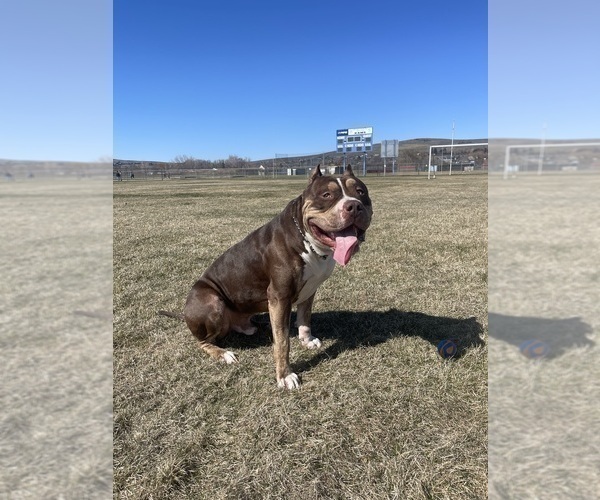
(303, 330)
(311, 342)
(316, 271)
(345, 197)
(307, 339)
(290, 382)
(229, 358)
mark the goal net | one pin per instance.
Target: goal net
(551, 157)
(457, 157)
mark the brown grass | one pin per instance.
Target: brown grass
(56, 357)
(379, 414)
(544, 283)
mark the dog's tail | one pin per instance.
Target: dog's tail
(172, 315)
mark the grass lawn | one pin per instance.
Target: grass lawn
(55, 345)
(379, 414)
(544, 283)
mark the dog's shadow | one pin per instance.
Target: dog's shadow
(560, 335)
(351, 330)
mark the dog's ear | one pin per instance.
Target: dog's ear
(348, 172)
(315, 174)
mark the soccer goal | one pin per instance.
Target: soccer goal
(446, 155)
(519, 158)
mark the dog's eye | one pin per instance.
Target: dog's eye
(360, 191)
(326, 195)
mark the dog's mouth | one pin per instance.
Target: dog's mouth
(344, 242)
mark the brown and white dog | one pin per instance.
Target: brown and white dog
(278, 266)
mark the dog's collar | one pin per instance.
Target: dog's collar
(306, 240)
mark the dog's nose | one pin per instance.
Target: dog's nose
(353, 207)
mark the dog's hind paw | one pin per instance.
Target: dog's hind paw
(292, 381)
(311, 342)
(229, 358)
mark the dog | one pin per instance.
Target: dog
(278, 266)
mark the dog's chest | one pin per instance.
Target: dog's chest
(316, 271)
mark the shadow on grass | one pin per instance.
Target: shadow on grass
(352, 330)
(559, 335)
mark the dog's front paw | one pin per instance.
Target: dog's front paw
(310, 342)
(229, 358)
(292, 381)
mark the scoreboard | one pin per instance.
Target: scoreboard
(354, 140)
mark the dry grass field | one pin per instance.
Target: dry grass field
(379, 415)
(55, 341)
(544, 284)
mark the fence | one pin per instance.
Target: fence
(289, 169)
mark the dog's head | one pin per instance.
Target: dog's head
(337, 212)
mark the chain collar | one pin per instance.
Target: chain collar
(306, 240)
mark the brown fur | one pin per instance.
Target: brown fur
(264, 272)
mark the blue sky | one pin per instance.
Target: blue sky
(210, 79)
(56, 85)
(544, 69)
(255, 79)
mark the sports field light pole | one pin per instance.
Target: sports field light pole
(364, 159)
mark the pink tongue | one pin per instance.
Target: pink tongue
(345, 242)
